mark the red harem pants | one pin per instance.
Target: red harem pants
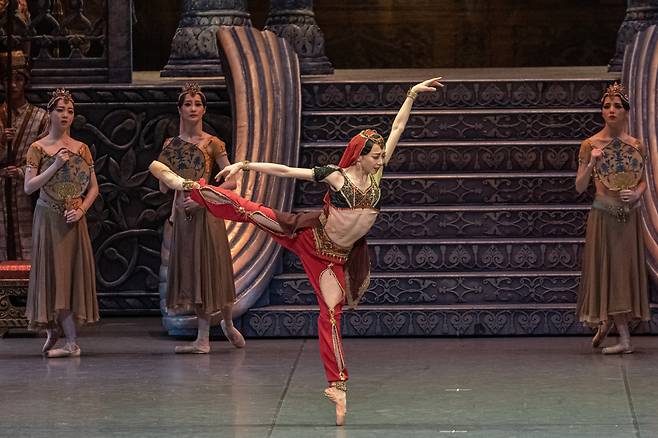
(228, 205)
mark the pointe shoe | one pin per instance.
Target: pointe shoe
(51, 340)
(339, 398)
(69, 350)
(193, 348)
(601, 334)
(235, 338)
(618, 349)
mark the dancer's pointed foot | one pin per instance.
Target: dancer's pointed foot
(51, 339)
(193, 348)
(69, 350)
(337, 393)
(233, 335)
(601, 333)
(620, 348)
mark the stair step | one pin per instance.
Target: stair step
(454, 255)
(457, 93)
(439, 124)
(480, 221)
(471, 157)
(453, 320)
(443, 288)
(424, 189)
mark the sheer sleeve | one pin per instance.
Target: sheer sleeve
(85, 153)
(321, 172)
(585, 152)
(33, 157)
(217, 147)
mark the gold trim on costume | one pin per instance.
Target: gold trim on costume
(620, 212)
(373, 136)
(61, 207)
(342, 385)
(338, 351)
(203, 191)
(327, 247)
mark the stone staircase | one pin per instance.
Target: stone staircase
(481, 229)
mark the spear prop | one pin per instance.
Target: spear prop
(9, 192)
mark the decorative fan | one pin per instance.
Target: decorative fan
(620, 166)
(185, 159)
(70, 181)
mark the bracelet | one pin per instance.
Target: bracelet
(82, 210)
(188, 184)
(245, 166)
(412, 94)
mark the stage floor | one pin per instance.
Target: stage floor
(129, 383)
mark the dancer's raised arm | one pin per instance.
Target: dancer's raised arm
(402, 117)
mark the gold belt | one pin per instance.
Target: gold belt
(327, 247)
(621, 212)
(62, 206)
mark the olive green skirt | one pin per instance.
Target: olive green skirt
(200, 268)
(614, 275)
(63, 274)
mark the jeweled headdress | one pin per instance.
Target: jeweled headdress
(373, 136)
(60, 93)
(191, 88)
(615, 89)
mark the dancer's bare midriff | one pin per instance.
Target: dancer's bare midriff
(346, 226)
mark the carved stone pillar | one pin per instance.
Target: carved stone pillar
(640, 14)
(194, 50)
(294, 20)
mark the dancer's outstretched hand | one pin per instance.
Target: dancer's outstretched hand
(427, 86)
(229, 171)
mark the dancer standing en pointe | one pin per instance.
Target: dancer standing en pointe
(331, 244)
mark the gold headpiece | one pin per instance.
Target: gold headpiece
(191, 88)
(373, 136)
(19, 62)
(615, 89)
(60, 93)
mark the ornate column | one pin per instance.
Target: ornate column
(194, 50)
(640, 14)
(294, 20)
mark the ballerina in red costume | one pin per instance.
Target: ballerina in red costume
(330, 244)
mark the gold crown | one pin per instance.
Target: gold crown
(18, 60)
(60, 93)
(191, 88)
(615, 89)
(373, 136)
